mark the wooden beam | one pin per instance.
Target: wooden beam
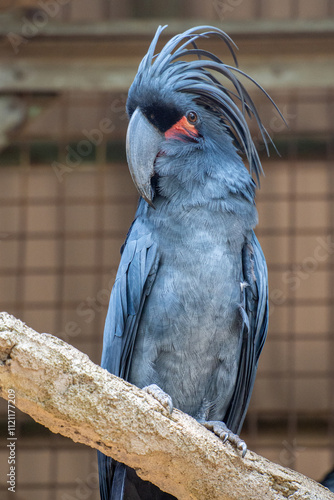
(18, 4)
(105, 56)
(146, 27)
(92, 75)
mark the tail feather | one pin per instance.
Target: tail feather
(119, 482)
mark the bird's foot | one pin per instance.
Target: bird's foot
(222, 431)
(161, 396)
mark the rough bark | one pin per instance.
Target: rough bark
(59, 387)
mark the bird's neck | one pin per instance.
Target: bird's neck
(219, 182)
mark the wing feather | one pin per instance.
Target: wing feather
(135, 276)
(254, 313)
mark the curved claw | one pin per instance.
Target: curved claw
(162, 397)
(222, 431)
(242, 447)
(224, 437)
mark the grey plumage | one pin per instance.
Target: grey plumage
(189, 308)
(328, 480)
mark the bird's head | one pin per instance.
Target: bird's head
(177, 107)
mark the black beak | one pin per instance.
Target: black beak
(143, 142)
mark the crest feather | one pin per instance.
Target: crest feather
(196, 77)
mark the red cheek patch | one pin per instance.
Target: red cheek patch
(181, 128)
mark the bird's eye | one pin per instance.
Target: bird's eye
(152, 116)
(192, 117)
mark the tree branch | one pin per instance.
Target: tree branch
(59, 387)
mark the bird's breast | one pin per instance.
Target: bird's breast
(189, 334)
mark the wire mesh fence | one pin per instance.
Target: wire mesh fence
(60, 243)
(66, 203)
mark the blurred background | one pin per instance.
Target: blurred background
(67, 201)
